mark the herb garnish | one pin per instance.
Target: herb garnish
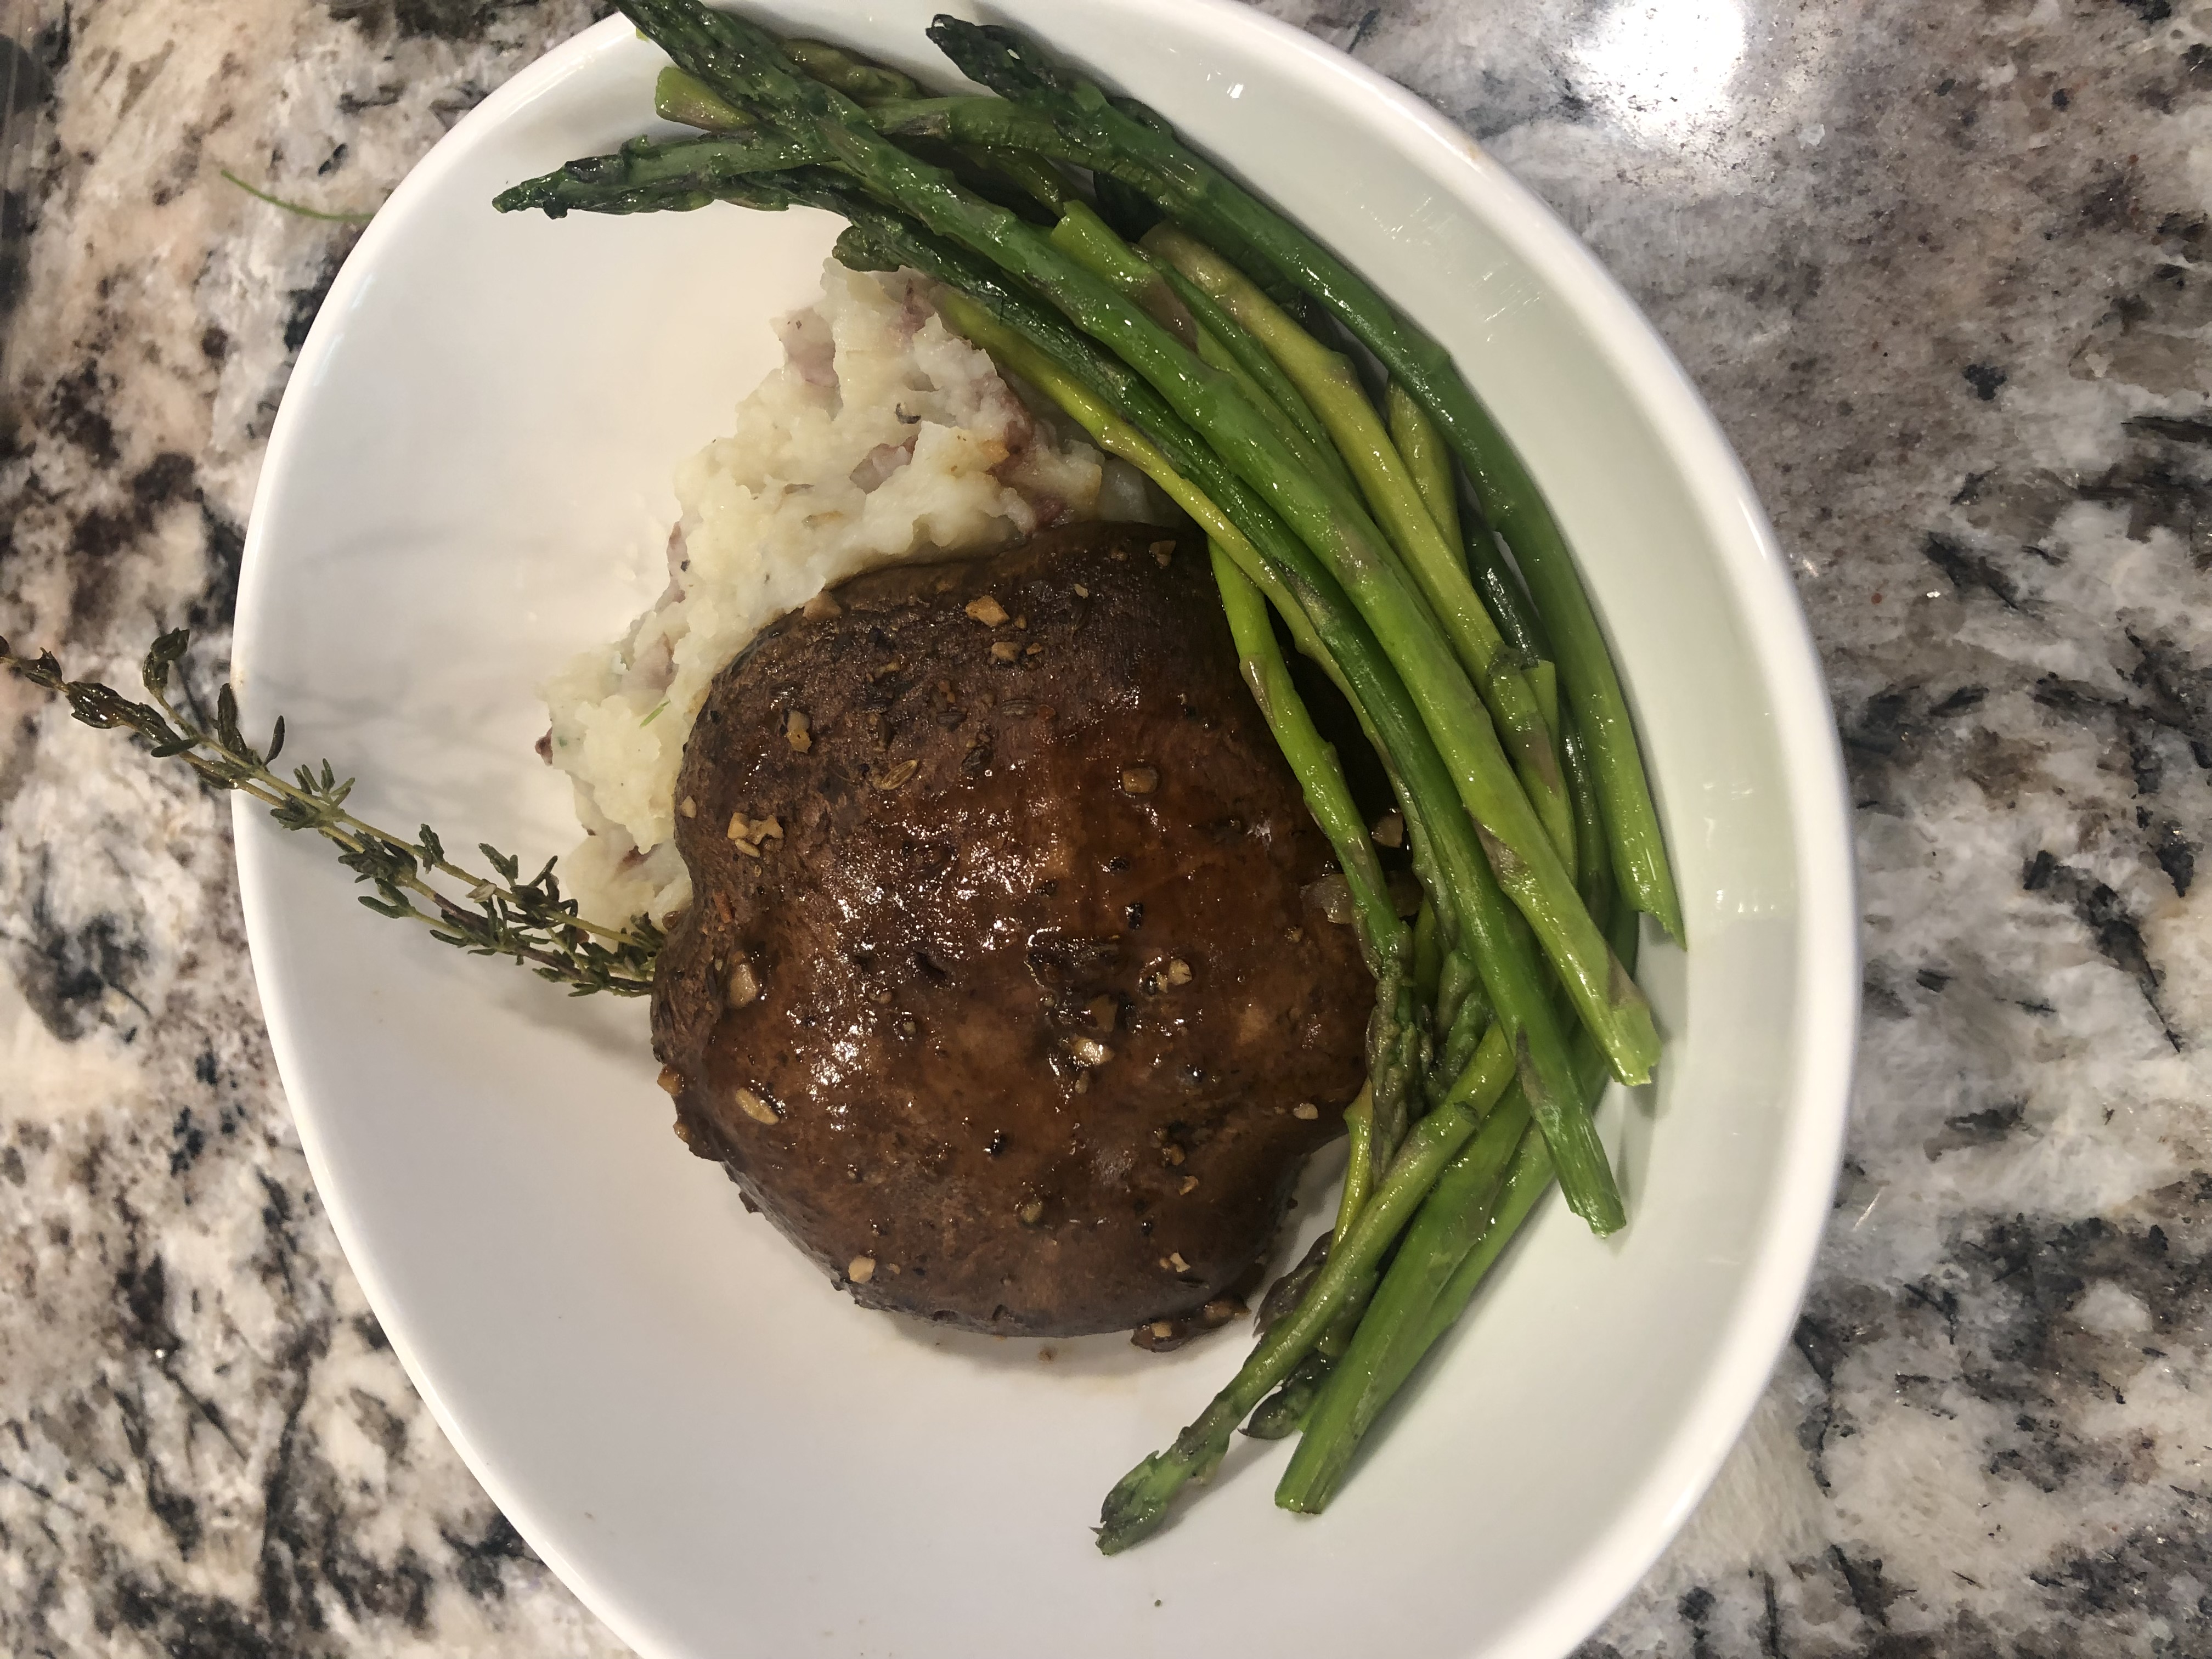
(496, 915)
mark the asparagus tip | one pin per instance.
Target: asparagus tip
(530, 193)
(1133, 1511)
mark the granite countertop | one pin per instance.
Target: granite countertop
(1937, 268)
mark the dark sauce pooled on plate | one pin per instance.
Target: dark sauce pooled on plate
(997, 993)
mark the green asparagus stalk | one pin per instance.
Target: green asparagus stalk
(1501, 588)
(1455, 1041)
(863, 82)
(1331, 387)
(976, 121)
(1002, 172)
(1458, 978)
(650, 175)
(1313, 762)
(1043, 183)
(1527, 1182)
(1427, 459)
(1284, 1412)
(690, 102)
(1485, 1079)
(1092, 243)
(1428, 951)
(1430, 463)
(1214, 352)
(1451, 1221)
(1359, 1162)
(1597, 883)
(1252, 358)
(646, 175)
(1197, 195)
(686, 98)
(1394, 1046)
(1454, 1242)
(1139, 1503)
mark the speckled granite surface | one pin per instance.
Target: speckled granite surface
(1937, 268)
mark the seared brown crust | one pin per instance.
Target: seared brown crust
(1026, 1001)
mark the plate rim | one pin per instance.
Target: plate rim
(1778, 639)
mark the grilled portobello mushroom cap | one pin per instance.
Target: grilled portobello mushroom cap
(998, 993)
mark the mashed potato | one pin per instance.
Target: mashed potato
(883, 437)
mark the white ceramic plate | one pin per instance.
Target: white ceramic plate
(468, 480)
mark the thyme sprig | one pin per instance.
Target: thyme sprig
(501, 914)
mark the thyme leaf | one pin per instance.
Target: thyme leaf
(300, 209)
(530, 922)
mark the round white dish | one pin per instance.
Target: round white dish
(468, 481)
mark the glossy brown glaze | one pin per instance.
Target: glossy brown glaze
(1002, 1001)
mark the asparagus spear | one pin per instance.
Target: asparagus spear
(1331, 386)
(1139, 1503)
(979, 123)
(690, 102)
(680, 97)
(1597, 883)
(646, 175)
(1430, 464)
(1451, 1221)
(1428, 950)
(862, 82)
(1360, 1163)
(1526, 1182)
(1284, 1412)
(1252, 358)
(1427, 459)
(652, 166)
(1453, 1244)
(1460, 1032)
(1313, 762)
(1197, 194)
(1394, 1048)
(1092, 244)
(1430, 461)
(1044, 182)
